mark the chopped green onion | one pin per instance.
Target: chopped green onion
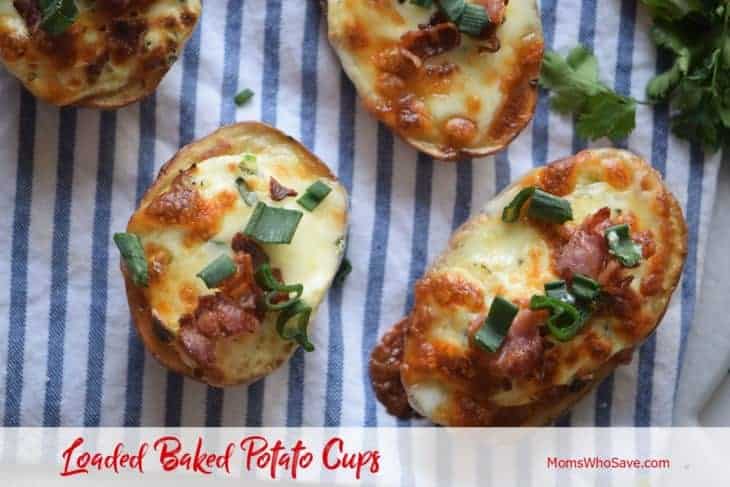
(565, 319)
(511, 212)
(217, 271)
(315, 194)
(547, 207)
(622, 246)
(585, 288)
(266, 279)
(473, 20)
(248, 165)
(491, 334)
(299, 333)
(453, 9)
(559, 290)
(130, 246)
(273, 225)
(243, 97)
(57, 15)
(342, 272)
(249, 196)
(422, 3)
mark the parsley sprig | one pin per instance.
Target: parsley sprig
(695, 34)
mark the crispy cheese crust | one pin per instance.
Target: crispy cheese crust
(115, 53)
(451, 96)
(185, 227)
(453, 382)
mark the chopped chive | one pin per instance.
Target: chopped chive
(272, 225)
(559, 290)
(243, 97)
(511, 212)
(248, 165)
(550, 208)
(130, 246)
(422, 3)
(266, 279)
(473, 20)
(565, 319)
(314, 195)
(622, 246)
(492, 333)
(342, 273)
(217, 271)
(299, 332)
(453, 9)
(249, 196)
(585, 288)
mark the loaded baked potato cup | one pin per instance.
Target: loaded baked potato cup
(539, 297)
(101, 54)
(453, 84)
(241, 234)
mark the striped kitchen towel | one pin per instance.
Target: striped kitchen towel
(68, 352)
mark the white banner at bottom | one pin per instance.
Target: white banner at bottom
(501, 457)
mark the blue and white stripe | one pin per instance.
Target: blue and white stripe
(69, 354)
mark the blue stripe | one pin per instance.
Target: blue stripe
(215, 396)
(308, 121)
(462, 202)
(622, 84)
(376, 271)
(647, 352)
(145, 167)
(540, 130)
(689, 281)
(99, 265)
(335, 353)
(188, 98)
(59, 269)
(586, 36)
(18, 284)
(269, 88)
(502, 171)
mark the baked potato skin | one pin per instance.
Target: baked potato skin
(517, 109)
(114, 54)
(583, 362)
(157, 339)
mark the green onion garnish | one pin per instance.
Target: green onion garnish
(547, 207)
(248, 165)
(491, 334)
(217, 271)
(585, 288)
(565, 319)
(57, 15)
(266, 279)
(130, 246)
(272, 225)
(622, 246)
(559, 290)
(342, 272)
(511, 212)
(249, 196)
(453, 9)
(314, 195)
(299, 332)
(473, 19)
(243, 97)
(422, 3)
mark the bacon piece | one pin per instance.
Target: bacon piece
(385, 362)
(278, 191)
(431, 40)
(586, 252)
(125, 37)
(219, 316)
(115, 6)
(242, 243)
(522, 351)
(29, 11)
(495, 9)
(200, 347)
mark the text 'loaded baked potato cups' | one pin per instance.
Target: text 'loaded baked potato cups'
(539, 297)
(94, 53)
(455, 79)
(231, 251)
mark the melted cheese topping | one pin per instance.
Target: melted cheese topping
(184, 249)
(106, 58)
(494, 91)
(488, 257)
